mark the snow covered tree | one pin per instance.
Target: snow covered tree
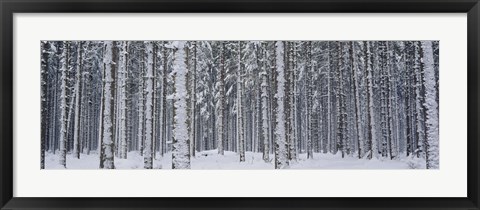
(180, 154)
(354, 68)
(329, 101)
(123, 98)
(164, 98)
(240, 106)
(148, 145)
(63, 106)
(419, 100)
(78, 94)
(372, 140)
(309, 99)
(341, 106)
(220, 106)
(431, 105)
(265, 119)
(45, 47)
(106, 139)
(291, 105)
(281, 160)
(193, 102)
(293, 101)
(141, 106)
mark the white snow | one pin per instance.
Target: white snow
(211, 160)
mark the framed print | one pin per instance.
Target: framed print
(239, 105)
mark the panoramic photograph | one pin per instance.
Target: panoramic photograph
(241, 105)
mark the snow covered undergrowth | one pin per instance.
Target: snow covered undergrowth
(211, 160)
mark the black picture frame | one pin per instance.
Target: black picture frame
(9, 7)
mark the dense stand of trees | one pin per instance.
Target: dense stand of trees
(366, 99)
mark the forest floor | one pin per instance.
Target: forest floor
(211, 160)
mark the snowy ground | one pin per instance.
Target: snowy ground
(211, 160)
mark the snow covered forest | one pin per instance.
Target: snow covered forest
(239, 104)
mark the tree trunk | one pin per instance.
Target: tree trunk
(147, 154)
(360, 140)
(180, 155)
(44, 102)
(431, 105)
(280, 130)
(107, 141)
(241, 135)
(78, 99)
(373, 151)
(63, 106)
(193, 101)
(221, 101)
(123, 97)
(309, 81)
(141, 102)
(164, 100)
(265, 128)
